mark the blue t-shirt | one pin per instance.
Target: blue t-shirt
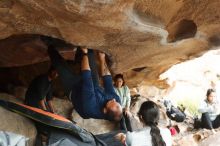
(89, 100)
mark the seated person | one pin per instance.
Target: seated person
(210, 111)
(90, 100)
(174, 113)
(39, 92)
(150, 135)
(124, 93)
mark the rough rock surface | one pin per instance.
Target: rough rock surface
(212, 140)
(16, 123)
(143, 37)
(187, 140)
(62, 107)
(95, 126)
(7, 97)
(201, 137)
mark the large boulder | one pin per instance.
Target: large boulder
(135, 106)
(201, 137)
(11, 98)
(212, 140)
(186, 140)
(62, 107)
(19, 92)
(96, 126)
(15, 123)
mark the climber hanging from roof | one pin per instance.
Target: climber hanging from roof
(87, 96)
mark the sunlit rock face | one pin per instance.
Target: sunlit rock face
(143, 37)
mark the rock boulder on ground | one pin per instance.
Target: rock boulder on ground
(62, 107)
(212, 140)
(11, 98)
(16, 123)
(96, 126)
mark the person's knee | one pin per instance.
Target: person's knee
(206, 121)
(205, 118)
(205, 115)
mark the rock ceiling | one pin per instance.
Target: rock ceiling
(143, 37)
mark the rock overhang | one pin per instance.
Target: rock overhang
(153, 35)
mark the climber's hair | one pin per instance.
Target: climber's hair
(112, 116)
(149, 114)
(119, 76)
(209, 91)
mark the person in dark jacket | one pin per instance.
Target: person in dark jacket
(39, 95)
(39, 92)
